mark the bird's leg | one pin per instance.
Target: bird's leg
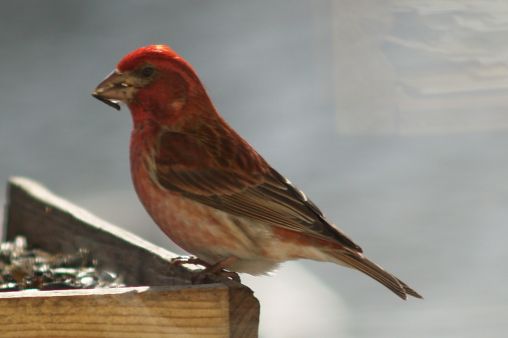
(217, 269)
(220, 265)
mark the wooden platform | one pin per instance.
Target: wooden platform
(160, 301)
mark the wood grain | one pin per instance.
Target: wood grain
(125, 312)
(169, 307)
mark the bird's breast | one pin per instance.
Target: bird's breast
(203, 231)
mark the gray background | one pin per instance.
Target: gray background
(391, 115)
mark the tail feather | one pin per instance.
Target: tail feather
(358, 261)
(409, 291)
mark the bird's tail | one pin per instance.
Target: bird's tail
(359, 262)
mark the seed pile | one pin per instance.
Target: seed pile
(22, 268)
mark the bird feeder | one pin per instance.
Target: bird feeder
(159, 299)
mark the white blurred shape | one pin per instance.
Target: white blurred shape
(296, 304)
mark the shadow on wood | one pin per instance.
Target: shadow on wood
(159, 302)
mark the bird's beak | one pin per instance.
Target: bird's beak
(115, 88)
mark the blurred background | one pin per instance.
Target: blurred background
(391, 115)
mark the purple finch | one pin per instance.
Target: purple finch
(207, 188)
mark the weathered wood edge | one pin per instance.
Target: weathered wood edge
(107, 291)
(244, 310)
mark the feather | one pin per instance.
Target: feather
(245, 187)
(359, 262)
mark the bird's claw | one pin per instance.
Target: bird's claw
(217, 270)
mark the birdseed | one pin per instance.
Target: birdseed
(22, 268)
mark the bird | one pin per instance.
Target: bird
(207, 188)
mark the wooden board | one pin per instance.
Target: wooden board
(137, 312)
(169, 307)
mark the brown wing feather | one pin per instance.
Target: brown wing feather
(244, 186)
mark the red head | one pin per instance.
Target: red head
(156, 84)
(152, 54)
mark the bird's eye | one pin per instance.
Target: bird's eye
(147, 71)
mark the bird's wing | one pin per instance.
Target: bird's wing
(244, 185)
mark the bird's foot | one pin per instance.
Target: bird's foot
(217, 269)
